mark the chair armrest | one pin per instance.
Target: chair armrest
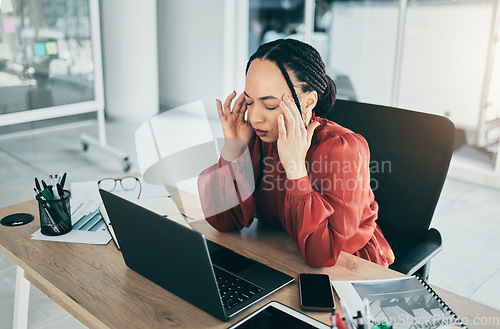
(420, 254)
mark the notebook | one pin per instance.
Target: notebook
(407, 302)
(179, 259)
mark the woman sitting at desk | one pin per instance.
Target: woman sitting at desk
(311, 176)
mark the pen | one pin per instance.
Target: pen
(38, 193)
(360, 320)
(62, 205)
(44, 206)
(60, 193)
(63, 180)
(37, 186)
(333, 319)
(368, 315)
(60, 190)
(347, 316)
(54, 225)
(55, 193)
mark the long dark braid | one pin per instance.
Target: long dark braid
(307, 67)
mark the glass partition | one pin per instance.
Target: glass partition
(362, 47)
(444, 58)
(448, 64)
(436, 56)
(46, 55)
(273, 19)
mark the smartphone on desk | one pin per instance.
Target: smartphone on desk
(316, 293)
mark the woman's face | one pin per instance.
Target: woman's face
(264, 89)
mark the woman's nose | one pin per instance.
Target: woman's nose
(256, 115)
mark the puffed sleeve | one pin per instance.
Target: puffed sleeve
(332, 209)
(225, 191)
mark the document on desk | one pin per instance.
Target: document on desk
(405, 303)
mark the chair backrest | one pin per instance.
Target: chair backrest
(410, 155)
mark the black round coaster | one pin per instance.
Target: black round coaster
(17, 219)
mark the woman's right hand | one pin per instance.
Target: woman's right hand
(237, 131)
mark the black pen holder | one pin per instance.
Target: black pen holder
(55, 215)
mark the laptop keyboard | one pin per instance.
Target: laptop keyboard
(234, 290)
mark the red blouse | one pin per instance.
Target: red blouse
(333, 209)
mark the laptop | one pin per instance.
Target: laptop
(211, 277)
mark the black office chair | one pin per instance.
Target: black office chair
(410, 155)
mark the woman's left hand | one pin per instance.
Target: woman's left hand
(294, 139)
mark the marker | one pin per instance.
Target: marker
(49, 187)
(340, 323)
(54, 193)
(46, 194)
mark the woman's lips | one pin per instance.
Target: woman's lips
(260, 133)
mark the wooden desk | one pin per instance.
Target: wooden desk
(93, 283)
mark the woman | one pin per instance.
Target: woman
(307, 174)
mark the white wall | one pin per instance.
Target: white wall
(130, 59)
(190, 48)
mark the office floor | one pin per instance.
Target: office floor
(468, 217)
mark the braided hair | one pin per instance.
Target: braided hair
(307, 66)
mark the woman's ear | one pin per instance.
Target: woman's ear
(309, 101)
